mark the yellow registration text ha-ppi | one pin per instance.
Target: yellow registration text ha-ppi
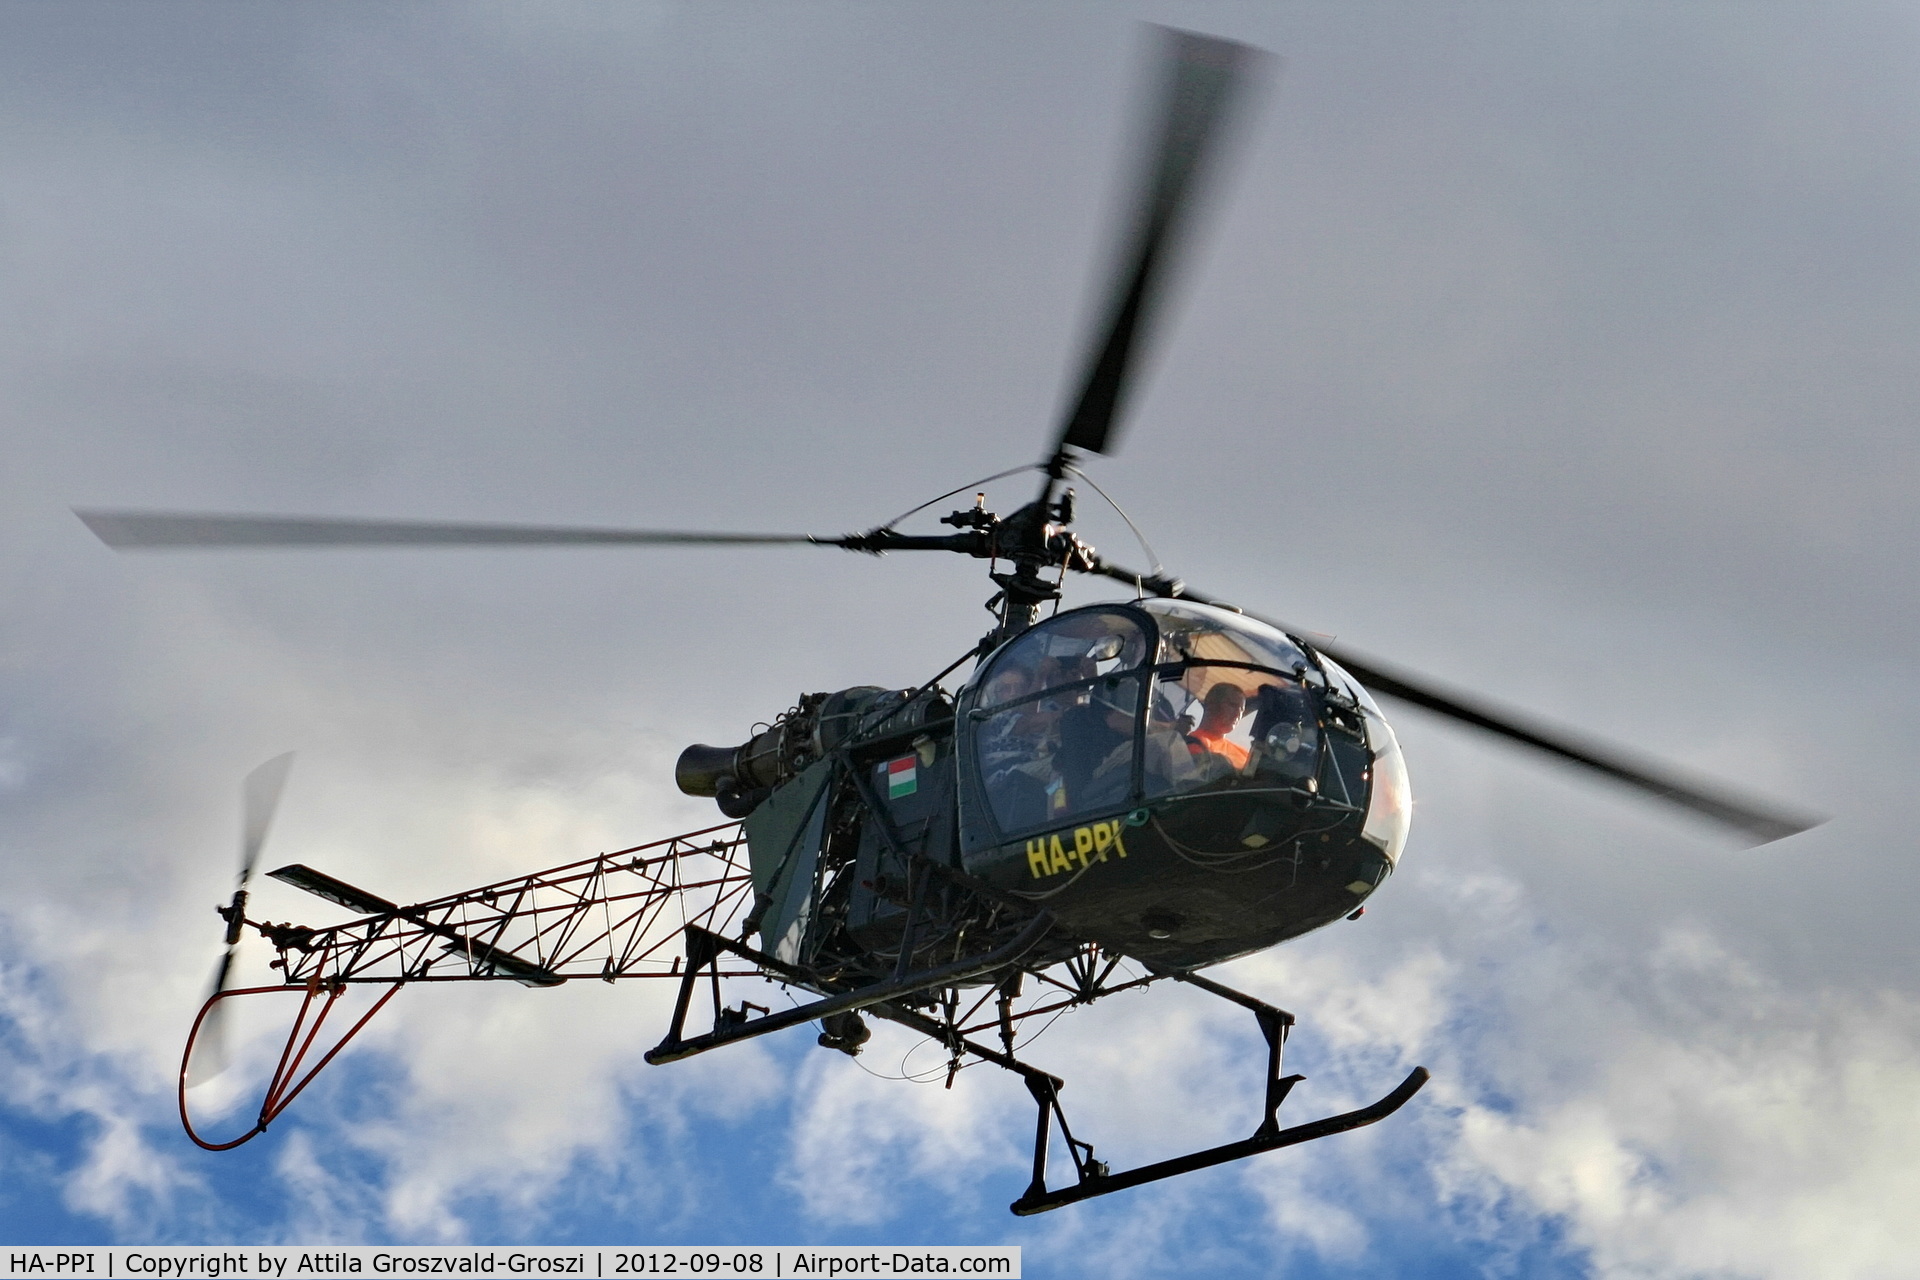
(1050, 855)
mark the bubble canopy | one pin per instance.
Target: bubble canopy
(1113, 706)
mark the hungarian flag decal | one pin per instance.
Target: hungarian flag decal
(903, 779)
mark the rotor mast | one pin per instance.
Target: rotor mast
(1034, 540)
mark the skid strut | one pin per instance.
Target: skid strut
(1096, 1180)
(884, 999)
(703, 952)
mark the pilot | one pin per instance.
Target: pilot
(1006, 685)
(1016, 750)
(1016, 735)
(1225, 703)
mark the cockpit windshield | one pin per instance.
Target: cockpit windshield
(1103, 709)
(1389, 794)
(1093, 711)
(1204, 633)
(1079, 646)
(1229, 700)
(1056, 718)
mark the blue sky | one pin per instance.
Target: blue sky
(1563, 353)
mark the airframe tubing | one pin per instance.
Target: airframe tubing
(672, 1049)
(1100, 1185)
(278, 1096)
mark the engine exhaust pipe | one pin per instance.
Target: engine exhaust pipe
(716, 771)
(701, 768)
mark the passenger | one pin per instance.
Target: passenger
(1057, 739)
(1225, 704)
(1170, 766)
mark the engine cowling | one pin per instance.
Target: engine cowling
(739, 778)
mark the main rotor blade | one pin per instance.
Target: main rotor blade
(1205, 78)
(1759, 823)
(260, 796)
(155, 530)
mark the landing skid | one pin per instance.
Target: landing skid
(1096, 1181)
(885, 1000)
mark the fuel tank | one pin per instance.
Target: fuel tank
(1177, 781)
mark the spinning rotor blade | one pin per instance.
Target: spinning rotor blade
(1205, 78)
(154, 530)
(259, 797)
(209, 1058)
(1758, 823)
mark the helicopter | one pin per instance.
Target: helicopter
(1110, 797)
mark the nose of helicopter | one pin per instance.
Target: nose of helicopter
(1179, 909)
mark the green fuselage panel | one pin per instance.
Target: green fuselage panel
(783, 850)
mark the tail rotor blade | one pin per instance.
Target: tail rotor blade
(209, 1058)
(260, 796)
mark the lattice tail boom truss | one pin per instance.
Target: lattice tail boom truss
(613, 916)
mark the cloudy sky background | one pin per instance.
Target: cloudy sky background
(1562, 352)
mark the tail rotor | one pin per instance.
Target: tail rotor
(260, 796)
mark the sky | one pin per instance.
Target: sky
(1559, 351)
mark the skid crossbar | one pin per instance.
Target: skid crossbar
(884, 999)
